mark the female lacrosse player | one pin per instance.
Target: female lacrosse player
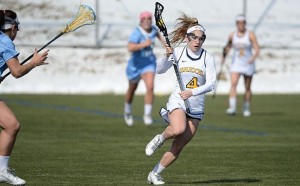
(243, 63)
(198, 75)
(9, 26)
(141, 65)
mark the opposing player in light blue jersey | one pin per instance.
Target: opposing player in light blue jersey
(243, 63)
(9, 26)
(141, 65)
(198, 75)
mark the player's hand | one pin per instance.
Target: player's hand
(250, 61)
(169, 50)
(186, 94)
(147, 43)
(219, 76)
(39, 58)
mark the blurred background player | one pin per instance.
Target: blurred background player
(141, 65)
(9, 26)
(198, 73)
(243, 63)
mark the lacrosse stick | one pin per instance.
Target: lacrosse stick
(85, 16)
(162, 27)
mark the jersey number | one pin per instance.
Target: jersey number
(193, 83)
(241, 52)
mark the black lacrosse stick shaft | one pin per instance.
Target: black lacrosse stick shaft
(162, 27)
(29, 57)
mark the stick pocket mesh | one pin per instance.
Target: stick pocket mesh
(85, 16)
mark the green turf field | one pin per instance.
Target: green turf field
(82, 140)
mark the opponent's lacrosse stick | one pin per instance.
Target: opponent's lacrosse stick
(162, 27)
(85, 16)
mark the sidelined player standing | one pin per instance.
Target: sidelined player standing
(141, 65)
(198, 73)
(243, 63)
(9, 26)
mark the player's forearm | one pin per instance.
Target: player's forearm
(133, 47)
(255, 54)
(207, 87)
(210, 84)
(22, 70)
(226, 50)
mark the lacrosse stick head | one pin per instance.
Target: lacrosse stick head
(159, 8)
(85, 16)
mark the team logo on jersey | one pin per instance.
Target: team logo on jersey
(192, 70)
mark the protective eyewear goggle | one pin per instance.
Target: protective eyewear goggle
(193, 37)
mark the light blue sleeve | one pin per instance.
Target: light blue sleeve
(135, 37)
(7, 50)
(8, 54)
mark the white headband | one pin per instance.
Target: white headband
(6, 26)
(197, 27)
(9, 22)
(240, 18)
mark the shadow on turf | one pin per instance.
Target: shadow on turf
(226, 180)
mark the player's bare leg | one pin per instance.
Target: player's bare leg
(169, 157)
(10, 128)
(148, 78)
(234, 77)
(177, 127)
(180, 142)
(247, 96)
(128, 100)
(177, 124)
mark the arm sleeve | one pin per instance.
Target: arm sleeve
(164, 64)
(9, 53)
(8, 49)
(135, 36)
(210, 77)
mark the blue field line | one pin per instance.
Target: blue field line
(238, 131)
(116, 115)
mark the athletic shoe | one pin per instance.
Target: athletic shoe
(230, 111)
(155, 179)
(128, 119)
(148, 119)
(164, 114)
(154, 144)
(8, 176)
(246, 113)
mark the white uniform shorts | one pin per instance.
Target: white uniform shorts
(179, 104)
(243, 68)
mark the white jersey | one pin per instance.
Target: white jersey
(242, 53)
(198, 72)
